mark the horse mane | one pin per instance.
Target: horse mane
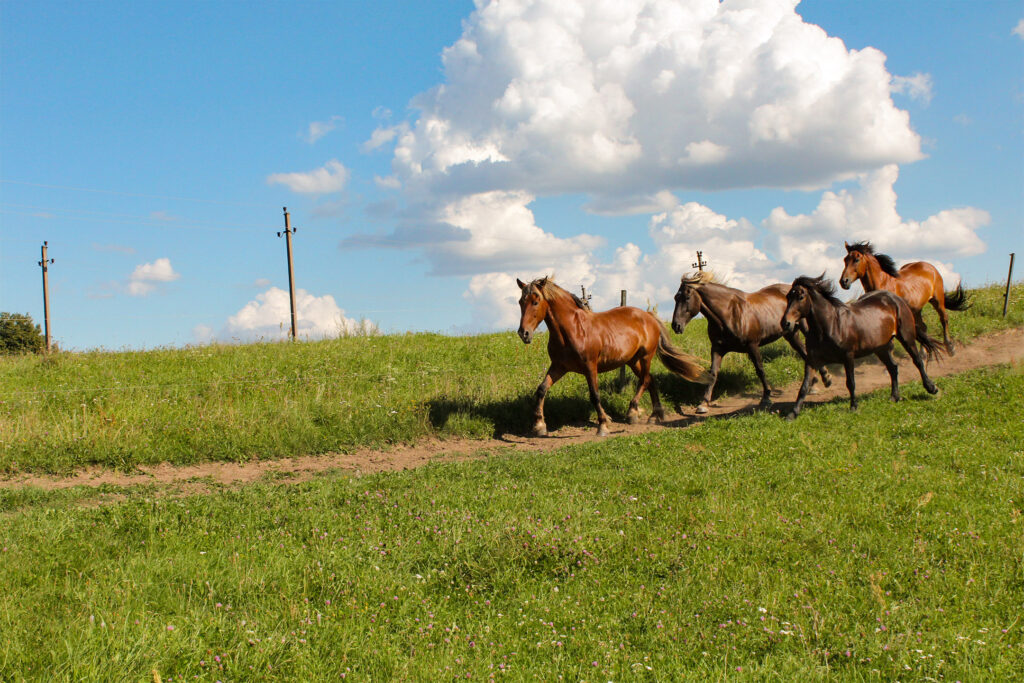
(702, 277)
(548, 289)
(884, 261)
(819, 284)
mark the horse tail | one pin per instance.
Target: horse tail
(683, 364)
(932, 346)
(957, 299)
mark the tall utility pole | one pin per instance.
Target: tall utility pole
(1009, 279)
(699, 265)
(46, 294)
(287, 232)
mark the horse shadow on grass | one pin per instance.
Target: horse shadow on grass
(515, 416)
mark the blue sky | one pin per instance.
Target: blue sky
(429, 153)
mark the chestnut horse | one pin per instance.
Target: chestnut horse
(737, 321)
(918, 283)
(582, 341)
(838, 332)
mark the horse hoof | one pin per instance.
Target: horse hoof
(826, 379)
(633, 418)
(791, 416)
(894, 399)
(701, 409)
(655, 418)
(602, 430)
(932, 389)
(540, 429)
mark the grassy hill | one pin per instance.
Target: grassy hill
(884, 544)
(264, 401)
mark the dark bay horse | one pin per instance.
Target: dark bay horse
(589, 343)
(918, 283)
(838, 332)
(737, 321)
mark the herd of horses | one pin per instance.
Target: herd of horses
(590, 343)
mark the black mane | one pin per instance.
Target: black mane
(885, 261)
(826, 288)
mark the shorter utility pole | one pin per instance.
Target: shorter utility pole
(622, 370)
(585, 299)
(699, 265)
(287, 232)
(44, 264)
(1009, 277)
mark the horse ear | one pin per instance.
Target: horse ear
(522, 285)
(847, 245)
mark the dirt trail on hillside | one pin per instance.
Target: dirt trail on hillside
(994, 349)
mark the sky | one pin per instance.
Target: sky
(431, 153)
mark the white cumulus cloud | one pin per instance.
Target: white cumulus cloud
(146, 276)
(917, 86)
(331, 177)
(318, 129)
(268, 317)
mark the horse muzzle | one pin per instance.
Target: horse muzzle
(676, 327)
(844, 283)
(527, 337)
(788, 326)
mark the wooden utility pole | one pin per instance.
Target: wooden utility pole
(287, 232)
(1009, 277)
(699, 265)
(44, 264)
(622, 370)
(585, 299)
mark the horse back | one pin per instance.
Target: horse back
(917, 283)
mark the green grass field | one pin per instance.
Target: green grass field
(879, 545)
(265, 401)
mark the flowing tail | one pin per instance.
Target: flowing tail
(932, 346)
(683, 364)
(957, 299)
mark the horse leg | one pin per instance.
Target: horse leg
(798, 346)
(755, 357)
(850, 383)
(885, 355)
(940, 308)
(554, 373)
(642, 368)
(716, 363)
(909, 342)
(658, 413)
(804, 388)
(595, 398)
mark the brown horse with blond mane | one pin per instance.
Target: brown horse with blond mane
(918, 283)
(738, 321)
(589, 343)
(839, 332)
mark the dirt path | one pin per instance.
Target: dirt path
(994, 349)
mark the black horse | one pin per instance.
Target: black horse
(738, 321)
(839, 332)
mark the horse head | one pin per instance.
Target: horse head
(533, 307)
(798, 305)
(803, 297)
(855, 265)
(687, 303)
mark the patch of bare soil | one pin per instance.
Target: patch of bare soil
(1005, 347)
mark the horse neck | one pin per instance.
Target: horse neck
(714, 302)
(824, 316)
(876, 278)
(561, 310)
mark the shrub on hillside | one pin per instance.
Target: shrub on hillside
(18, 334)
